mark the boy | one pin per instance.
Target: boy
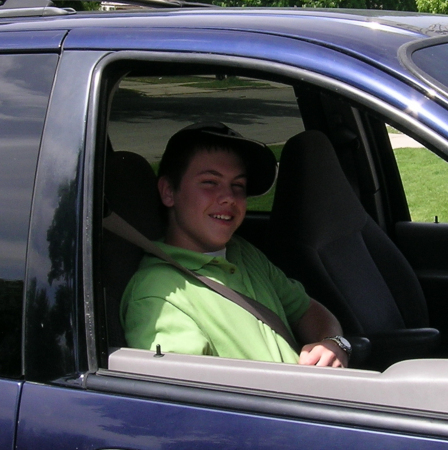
(205, 176)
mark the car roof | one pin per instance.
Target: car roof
(368, 33)
(369, 36)
(383, 22)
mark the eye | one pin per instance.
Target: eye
(209, 182)
(240, 183)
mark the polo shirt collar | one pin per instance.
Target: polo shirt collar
(188, 258)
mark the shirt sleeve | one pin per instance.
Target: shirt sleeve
(292, 295)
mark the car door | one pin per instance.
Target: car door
(225, 378)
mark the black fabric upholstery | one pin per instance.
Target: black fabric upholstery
(131, 192)
(320, 234)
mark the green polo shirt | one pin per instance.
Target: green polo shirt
(162, 306)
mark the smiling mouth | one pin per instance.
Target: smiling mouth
(222, 217)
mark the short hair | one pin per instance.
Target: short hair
(180, 152)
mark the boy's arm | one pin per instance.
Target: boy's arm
(314, 326)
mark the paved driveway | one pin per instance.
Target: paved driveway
(400, 140)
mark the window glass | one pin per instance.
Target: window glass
(424, 176)
(146, 111)
(25, 83)
(433, 61)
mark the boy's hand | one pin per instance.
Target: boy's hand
(323, 354)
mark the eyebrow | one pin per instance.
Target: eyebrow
(219, 174)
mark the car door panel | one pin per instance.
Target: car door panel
(54, 417)
(425, 245)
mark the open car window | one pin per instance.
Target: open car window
(146, 110)
(424, 176)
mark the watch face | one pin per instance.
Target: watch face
(343, 343)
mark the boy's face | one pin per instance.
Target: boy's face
(210, 203)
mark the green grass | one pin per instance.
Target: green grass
(155, 167)
(425, 181)
(392, 130)
(264, 202)
(204, 82)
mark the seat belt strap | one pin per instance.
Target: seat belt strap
(115, 224)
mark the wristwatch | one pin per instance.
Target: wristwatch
(342, 342)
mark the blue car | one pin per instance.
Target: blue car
(354, 105)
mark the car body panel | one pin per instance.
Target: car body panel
(9, 408)
(306, 56)
(71, 398)
(378, 46)
(42, 41)
(381, 36)
(342, 36)
(53, 282)
(82, 419)
(381, 33)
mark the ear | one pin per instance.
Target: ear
(166, 191)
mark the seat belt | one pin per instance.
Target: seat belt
(115, 224)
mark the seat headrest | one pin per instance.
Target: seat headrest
(312, 184)
(131, 192)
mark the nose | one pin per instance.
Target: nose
(226, 195)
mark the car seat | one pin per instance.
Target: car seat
(320, 234)
(131, 192)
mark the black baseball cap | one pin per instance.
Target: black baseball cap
(260, 162)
